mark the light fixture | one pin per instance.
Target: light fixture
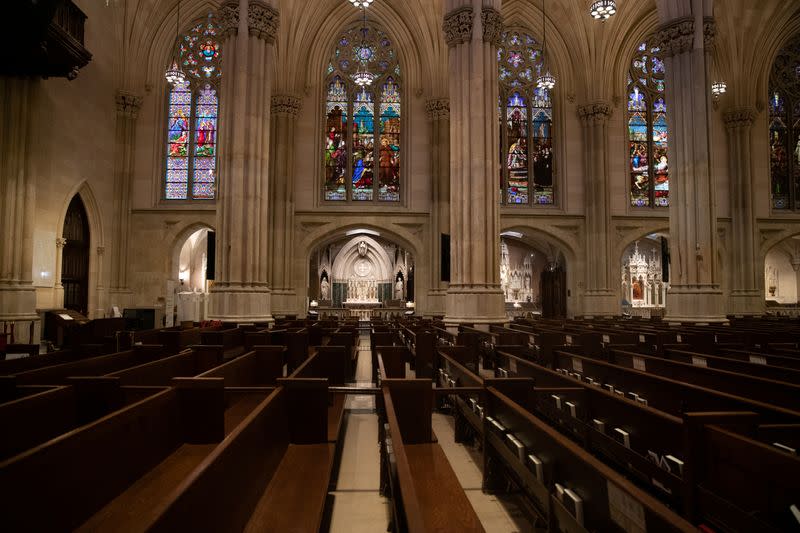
(363, 77)
(361, 3)
(603, 9)
(174, 74)
(718, 88)
(545, 81)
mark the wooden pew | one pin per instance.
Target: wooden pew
(188, 363)
(609, 501)
(281, 471)
(15, 366)
(296, 342)
(92, 366)
(119, 466)
(426, 495)
(329, 363)
(467, 409)
(260, 367)
(231, 340)
(390, 361)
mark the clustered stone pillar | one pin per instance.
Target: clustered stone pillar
(439, 116)
(285, 108)
(128, 105)
(599, 298)
(694, 294)
(17, 295)
(746, 296)
(58, 287)
(241, 291)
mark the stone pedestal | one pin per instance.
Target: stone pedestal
(694, 294)
(599, 297)
(241, 292)
(472, 29)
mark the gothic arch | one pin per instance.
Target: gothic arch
(172, 262)
(349, 254)
(96, 305)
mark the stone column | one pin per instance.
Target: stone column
(241, 292)
(472, 28)
(694, 294)
(128, 105)
(285, 108)
(746, 298)
(17, 296)
(439, 117)
(600, 298)
(100, 310)
(58, 287)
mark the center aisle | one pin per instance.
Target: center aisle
(358, 506)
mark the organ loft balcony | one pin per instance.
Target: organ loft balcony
(46, 39)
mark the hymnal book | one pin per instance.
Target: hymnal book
(473, 404)
(574, 505)
(452, 383)
(785, 448)
(632, 396)
(675, 464)
(641, 400)
(599, 425)
(516, 446)
(572, 409)
(590, 381)
(480, 411)
(559, 492)
(620, 393)
(502, 371)
(495, 424)
(536, 466)
(609, 388)
(623, 437)
(556, 398)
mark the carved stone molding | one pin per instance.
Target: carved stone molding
(263, 21)
(61, 242)
(740, 117)
(438, 109)
(228, 16)
(458, 26)
(709, 33)
(286, 104)
(675, 37)
(492, 23)
(128, 104)
(595, 112)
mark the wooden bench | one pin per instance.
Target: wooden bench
(188, 363)
(231, 340)
(426, 494)
(260, 367)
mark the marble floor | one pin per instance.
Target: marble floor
(358, 506)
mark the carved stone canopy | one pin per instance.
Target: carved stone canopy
(675, 37)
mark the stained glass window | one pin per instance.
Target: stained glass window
(647, 129)
(526, 121)
(784, 127)
(192, 116)
(354, 150)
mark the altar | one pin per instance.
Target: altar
(362, 291)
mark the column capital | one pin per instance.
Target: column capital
(709, 32)
(675, 37)
(60, 242)
(101, 250)
(457, 26)
(263, 21)
(438, 108)
(286, 104)
(228, 16)
(492, 23)
(595, 112)
(128, 104)
(739, 117)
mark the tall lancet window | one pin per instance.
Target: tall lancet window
(784, 127)
(192, 111)
(526, 123)
(361, 136)
(647, 129)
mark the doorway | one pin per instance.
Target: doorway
(75, 257)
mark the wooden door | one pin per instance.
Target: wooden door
(554, 293)
(75, 258)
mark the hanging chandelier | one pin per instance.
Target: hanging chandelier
(718, 88)
(174, 74)
(361, 3)
(547, 80)
(363, 77)
(603, 9)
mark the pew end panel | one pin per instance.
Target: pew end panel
(202, 409)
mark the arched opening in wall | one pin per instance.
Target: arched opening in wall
(645, 276)
(782, 277)
(533, 276)
(75, 257)
(356, 274)
(192, 266)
